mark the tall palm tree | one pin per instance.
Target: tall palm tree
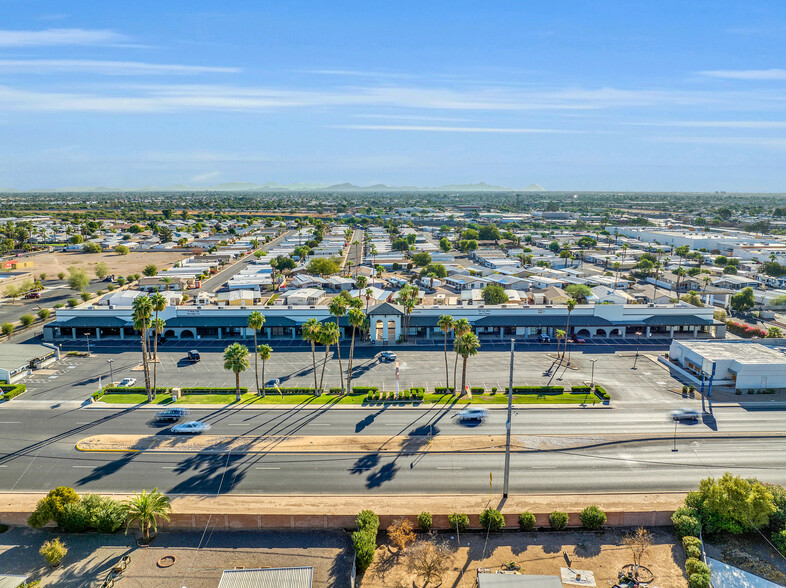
(467, 345)
(570, 305)
(408, 297)
(356, 319)
(338, 308)
(236, 360)
(361, 282)
(373, 253)
(256, 320)
(559, 335)
(158, 302)
(167, 281)
(446, 324)
(143, 308)
(158, 325)
(460, 327)
(147, 508)
(311, 333)
(616, 267)
(264, 352)
(328, 335)
(369, 292)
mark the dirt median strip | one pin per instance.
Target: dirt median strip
(373, 443)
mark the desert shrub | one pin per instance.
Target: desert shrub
(699, 580)
(53, 551)
(401, 533)
(72, 302)
(592, 518)
(27, 319)
(686, 522)
(458, 521)
(44, 313)
(526, 521)
(51, 507)
(696, 566)
(558, 520)
(492, 520)
(425, 521)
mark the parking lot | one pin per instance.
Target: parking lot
(76, 378)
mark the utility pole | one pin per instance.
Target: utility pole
(592, 378)
(506, 483)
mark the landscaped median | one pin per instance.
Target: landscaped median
(365, 396)
(12, 391)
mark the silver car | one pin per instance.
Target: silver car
(685, 414)
(190, 428)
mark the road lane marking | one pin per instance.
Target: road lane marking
(84, 467)
(10, 422)
(167, 467)
(261, 468)
(447, 468)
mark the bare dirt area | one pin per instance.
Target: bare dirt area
(534, 553)
(122, 265)
(750, 553)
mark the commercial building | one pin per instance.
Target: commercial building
(17, 359)
(741, 364)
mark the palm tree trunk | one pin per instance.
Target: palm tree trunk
(145, 366)
(447, 373)
(324, 363)
(455, 369)
(463, 375)
(256, 364)
(237, 386)
(155, 365)
(340, 367)
(263, 380)
(567, 330)
(314, 364)
(351, 359)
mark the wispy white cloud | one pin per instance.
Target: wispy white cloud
(205, 177)
(746, 74)
(117, 68)
(438, 129)
(775, 142)
(50, 37)
(720, 124)
(413, 117)
(358, 73)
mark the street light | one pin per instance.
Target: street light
(592, 378)
(111, 374)
(506, 481)
(87, 338)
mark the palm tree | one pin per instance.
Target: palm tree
(460, 327)
(361, 282)
(570, 304)
(338, 308)
(264, 352)
(167, 281)
(559, 335)
(256, 320)
(356, 319)
(147, 508)
(446, 324)
(408, 298)
(158, 325)
(616, 267)
(143, 308)
(328, 335)
(158, 302)
(466, 346)
(311, 332)
(369, 292)
(373, 253)
(236, 360)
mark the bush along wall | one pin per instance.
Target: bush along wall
(9, 392)
(365, 539)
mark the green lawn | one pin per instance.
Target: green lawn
(273, 398)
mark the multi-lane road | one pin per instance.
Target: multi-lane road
(37, 451)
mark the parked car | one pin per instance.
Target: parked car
(387, 356)
(35, 295)
(685, 414)
(543, 338)
(576, 339)
(472, 413)
(109, 279)
(190, 428)
(172, 415)
(126, 382)
(193, 355)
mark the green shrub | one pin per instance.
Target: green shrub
(72, 302)
(696, 566)
(9, 392)
(363, 389)
(105, 514)
(540, 390)
(59, 305)
(425, 521)
(73, 518)
(7, 328)
(692, 546)
(140, 390)
(53, 551)
(97, 395)
(699, 580)
(558, 520)
(477, 389)
(592, 518)
(51, 507)
(443, 389)
(526, 521)
(27, 319)
(199, 390)
(44, 313)
(458, 521)
(492, 520)
(686, 522)
(367, 519)
(779, 539)
(365, 545)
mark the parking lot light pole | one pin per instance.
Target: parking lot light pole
(111, 374)
(87, 338)
(506, 482)
(592, 378)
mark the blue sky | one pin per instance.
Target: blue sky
(573, 95)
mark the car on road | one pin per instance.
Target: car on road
(34, 295)
(543, 338)
(190, 428)
(685, 414)
(472, 413)
(576, 339)
(193, 355)
(126, 382)
(387, 356)
(172, 415)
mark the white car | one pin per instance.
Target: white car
(126, 383)
(387, 356)
(685, 414)
(472, 413)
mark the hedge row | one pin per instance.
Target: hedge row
(698, 572)
(411, 394)
(133, 390)
(599, 390)
(364, 539)
(516, 389)
(9, 392)
(211, 390)
(592, 518)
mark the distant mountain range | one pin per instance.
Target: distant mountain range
(298, 187)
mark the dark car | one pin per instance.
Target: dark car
(172, 415)
(543, 338)
(32, 295)
(193, 355)
(576, 339)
